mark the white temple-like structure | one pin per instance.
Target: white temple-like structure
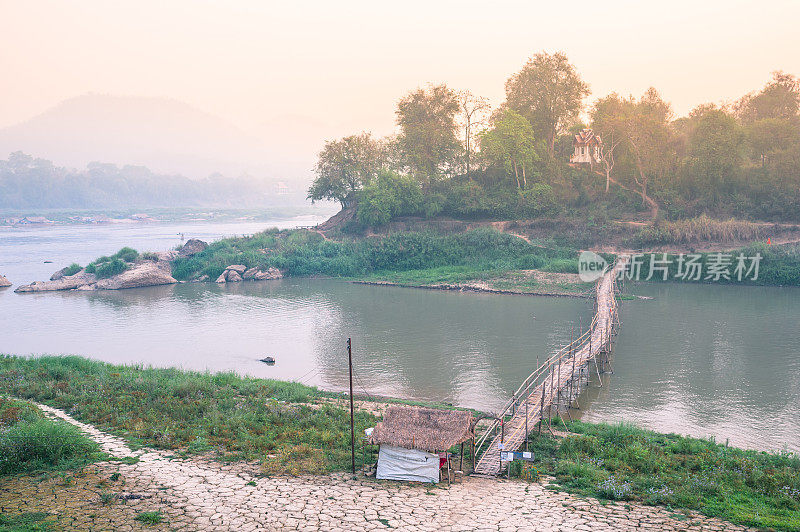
(588, 148)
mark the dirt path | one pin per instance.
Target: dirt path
(197, 494)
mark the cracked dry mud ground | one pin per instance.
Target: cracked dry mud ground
(200, 494)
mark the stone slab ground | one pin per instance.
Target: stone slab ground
(199, 494)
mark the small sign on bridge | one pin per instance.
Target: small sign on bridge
(510, 456)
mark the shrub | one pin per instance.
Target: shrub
(72, 269)
(30, 442)
(150, 518)
(111, 268)
(126, 254)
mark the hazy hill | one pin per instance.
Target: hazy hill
(167, 136)
(29, 183)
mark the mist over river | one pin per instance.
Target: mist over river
(705, 360)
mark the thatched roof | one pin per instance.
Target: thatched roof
(427, 429)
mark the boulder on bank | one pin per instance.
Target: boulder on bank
(59, 274)
(192, 246)
(4, 282)
(145, 273)
(65, 282)
(237, 273)
(271, 273)
(141, 273)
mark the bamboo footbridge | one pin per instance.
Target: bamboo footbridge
(555, 385)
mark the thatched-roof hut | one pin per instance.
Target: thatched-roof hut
(409, 435)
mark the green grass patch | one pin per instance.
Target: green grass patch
(72, 269)
(623, 462)
(104, 267)
(149, 518)
(31, 442)
(302, 252)
(233, 416)
(25, 522)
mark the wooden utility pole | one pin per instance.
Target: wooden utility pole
(352, 423)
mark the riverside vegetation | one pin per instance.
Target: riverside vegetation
(291, 429)
(236, 417)
(626, 463)
(430, 258)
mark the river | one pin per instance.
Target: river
(706, 360)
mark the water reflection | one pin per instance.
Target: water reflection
(716, 361)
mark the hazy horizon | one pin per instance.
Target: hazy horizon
(293, 76)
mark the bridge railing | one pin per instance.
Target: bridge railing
(547, 368)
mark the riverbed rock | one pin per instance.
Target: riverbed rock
(250, 273)
(233, 277)
(67, 282)
(144, 273)
(4, 282)
(192, 246)
(59, 274)
(271, 273)
(232, 274)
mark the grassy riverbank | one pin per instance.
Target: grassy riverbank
(626, 463)
(302, 252)
(279, 423)
(291, 428)
(31, 442)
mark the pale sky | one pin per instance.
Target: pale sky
(333, 68)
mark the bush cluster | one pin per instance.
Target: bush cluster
(31, 442)
(623, 462)
(307, 253)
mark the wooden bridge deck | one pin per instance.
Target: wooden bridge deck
(556, 382)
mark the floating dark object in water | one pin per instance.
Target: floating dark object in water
(267, 360)
(48, 262)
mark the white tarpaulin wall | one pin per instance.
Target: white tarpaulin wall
(397, 463)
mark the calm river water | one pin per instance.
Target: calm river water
(703, 360)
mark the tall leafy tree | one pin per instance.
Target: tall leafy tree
(649, 137)
(715, 145)
(511, 144)
(427, 142)
(610, 117)
(549, 93)
(472, 114)
(779, 99)
(345, 166)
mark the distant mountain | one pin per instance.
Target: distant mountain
(167, 136)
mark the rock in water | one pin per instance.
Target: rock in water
(233, 276)
(272, 273)
(4, 282)
(238, 268)
(192, 246)
(145, 273)
(249, 274)
(66, 282)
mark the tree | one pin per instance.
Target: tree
(715, 145)
(345, 166)
(511, 143)
(472, 111)
(389, 195)
(779, 99)
(427, 141)
(609, 120)
(548, 92)
(648, 135)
